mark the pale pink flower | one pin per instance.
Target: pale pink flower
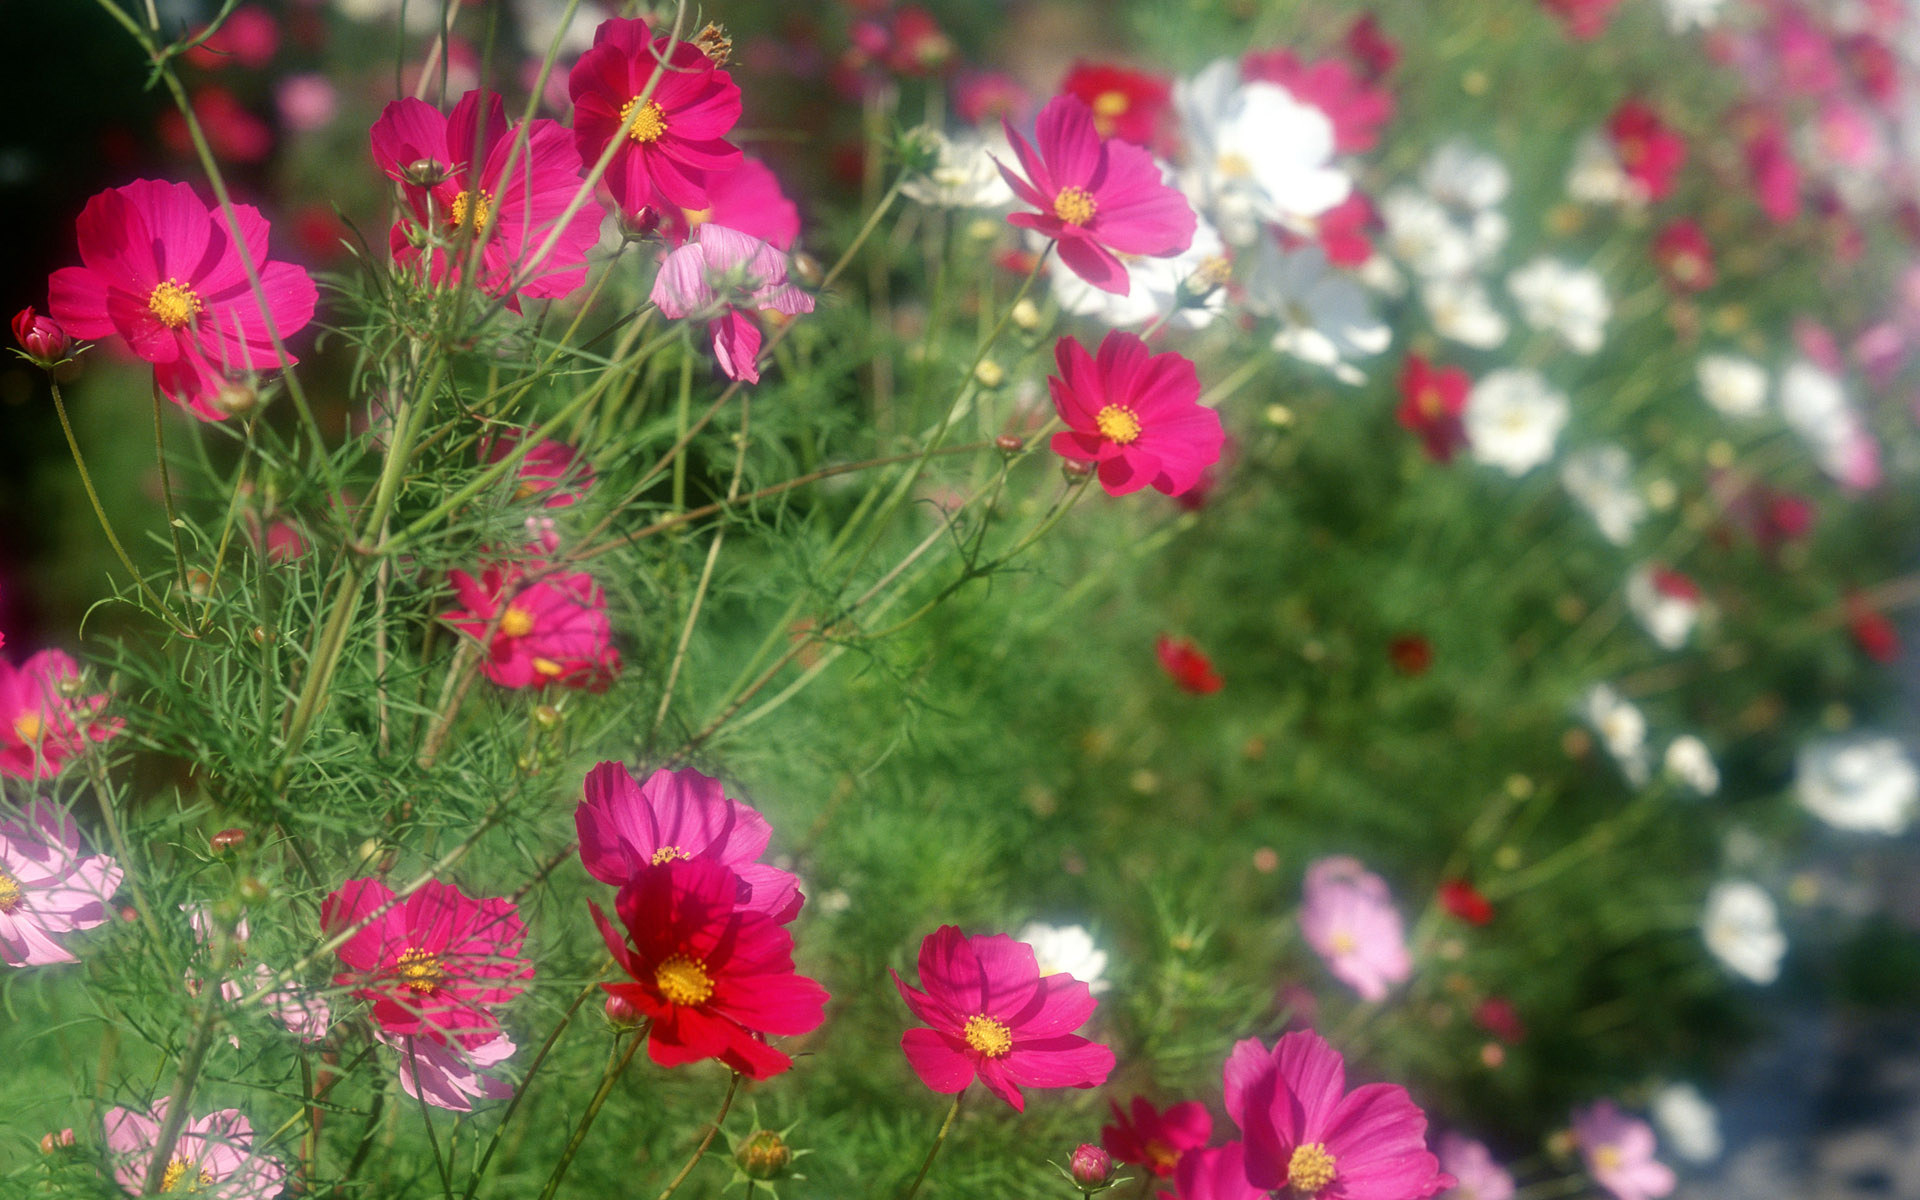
(452, 1074)
(1618, 1151)
(725, 275)
(213, 1157)
(1349, 919)
(48, 889)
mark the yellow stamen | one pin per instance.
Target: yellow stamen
(482, 213)
(696, 217)
(1310, 1169)
(683, 981)
(178, 1170)
(516, 622)
(9, 893)
(1431, 404)
(1074, 205)
(667, 854)
(1161, 1157)
(1608, 1158)
(1343, 942)
(1118, 424)
(988, 1036)
(548, 667)
(420, 971)
(1111, 104)
(647, 124)
(29, 725)
(174, 304)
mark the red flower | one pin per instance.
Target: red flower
(1431, 405)
(1464, 901)
(1876, 636)
(1684, 256)
(1370, 47)
(1130, 105)
(1187, 665)
(1497, 1015)
(547, 630)
(994, 1017)
(1649, 150)
(1410, 654)
(1136, 415)
(714, 979)
(1357, 109)
(1150, 1138)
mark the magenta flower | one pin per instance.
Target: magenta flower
(1305, 1132)
(1216, 1174)
(48, 889)
(212, 1157)
(1147, 1137)
(994, 1017)
(452, 1074)
(165, 272)
(438, 963)
(553, 472)
(1476, 1175)
(1618, 1151)
(1098, 198)
(1136, 416)
(626, 827)
(1349, 919)
(725, 274)
(550, 630)
(474, 196)
(673, 143)
(43, 720)
(747, 199)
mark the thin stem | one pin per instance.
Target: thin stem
(426, 1118)
(939, 1139)
(520, 1093)
(166, 491)
(615, 1069)
(713, 1130)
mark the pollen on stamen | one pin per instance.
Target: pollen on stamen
(9, 893)
(643, 122)
(667, 854)
(516, 622)
(683, 981)
(173, 303)
(1074, 205)
(420, 971)
(1310, 1170)
(28, 726)
(1118, 424)
(463, 207)
(988, 1036)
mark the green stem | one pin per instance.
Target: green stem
(939, 1139)
(615, 1069)
(520, 1093)
(166, 493)
(713, 1130)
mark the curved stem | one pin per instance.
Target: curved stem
(615, 1069)
(939, 1139)
(713, 1130)
(166, 492)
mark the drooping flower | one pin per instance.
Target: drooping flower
(1513, 419)
(1137, 416)
(1305, 1132)
(1860, 783)
(1187, 665)
(1618, 1152)
(1431, 402)
(673, 142)
(1098, 197)
(552, 472)
(1688, 1122)
(48, 888)
(1475, 1173)
(1067, 950)
(541, 628)
(1219, 1173)
(44, 720)
(1369, 46)
(1568, 301)
(489, 181)
(212, 1156)
(1741, 925)
(1349, 919)
(1684, 256)
(451, 1073)
(169, 274)
(726, 276)
(1131, 105)
(747, 199)
(715, 979)
(1149, 1137)
(1650, 151)
(436, 964)
(626, 827)
(1256, 153)
(992, 1016)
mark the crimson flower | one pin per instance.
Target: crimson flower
(1876, 636)
(1136, 416)
(1216, 1174)
(992, 1016)
(1098, 198)
(1432, 401)
(1684, 256)
(1150, 1138)
(1305, 1132)
(1498, 1016)
(1369, 46)
(436, 964)
(553, 473)
(1464, 901)
(1411, 654)
(545, 628)
(714, 979)
(1187, 665)
(1131, 105)
(671, 144)
(1650, 151)
(165, 271)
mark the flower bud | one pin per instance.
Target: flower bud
(1026, 314)
(1076, 472)
(52, 1143)
(622, 1012)
(425, 172)
(1091, 1168)
(253, 892)
(546, 716)
(639, 225)
(227, 840)
(765, 1155)
(1007, 443)
(805, 270)
(41, 337)
(990, 373)
(235, 397)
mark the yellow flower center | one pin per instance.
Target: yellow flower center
(1074, 205)
(667, 854)
(1310, 1169)
(696, 217)
(1234, 165)
(1214, 271)
(1343, 942)
(1110, 104)
(683, 981)
(516, 622)
(178, 1170)
(1432, 405)
(421, 971)
(1161, 1157)
(9, 893)
(988, 1036)
(1608, 1158)
(174, 304)
(28, 726)
(463, 207)
(644, 122)
(547, 667)
(1118, 424)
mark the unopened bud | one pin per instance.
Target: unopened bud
(235, 397)
(714, 43)
(1091, 1168)
(199, 583)
(1209, 277)
(546, 716)
(260, 635)
(52, 1143)
(228, 840)
(1076, 471)
(765, 1155)
(990, 373)
(1026, 314)
(41, 337)
(425, 172)
(622, 1011)
(253, 892)
(1006, 443)
(639, 225)
(805, 270)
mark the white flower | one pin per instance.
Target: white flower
(963, 174)
(1742, 928)
(1688, 1122)
(1421, 233)
(1863, 784)
(1068, 949)
(1513, 419)
(1569, 301)
(1683, 15)
(1461, 311)
(1466, 177)
(1689, 761)
(1666, 604)
(1734, 386)
(1325, 317)
(1255, 153)
(1600, 479)
(1622, 729)
(1597, 177)
(1155, 286)
(1815, 405)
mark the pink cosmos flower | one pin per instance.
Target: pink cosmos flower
(306, 1015)
(436, 964)
(40, 336)
(1305, 1132)
(1776, 175)
(1216, 1174)
(626, 827)
(553, 472)
(48, 889)
(1583, 18)
(165, 272)
(1649, 150)
(1156, 1140)
(44, 721)
(982, 96)
(1357, 109)
(452, 1074)
(1476, 1175)
(673, 143)
(1136, 416)
(249, 37)
(727, 275)
(747, 199)
(994, 1017)
(550, 630)
(474, 197)
(1618, 1151)
(1349, 919)
(1098, 198)
(233, 131)
(213, 1156)
(1684, 256)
